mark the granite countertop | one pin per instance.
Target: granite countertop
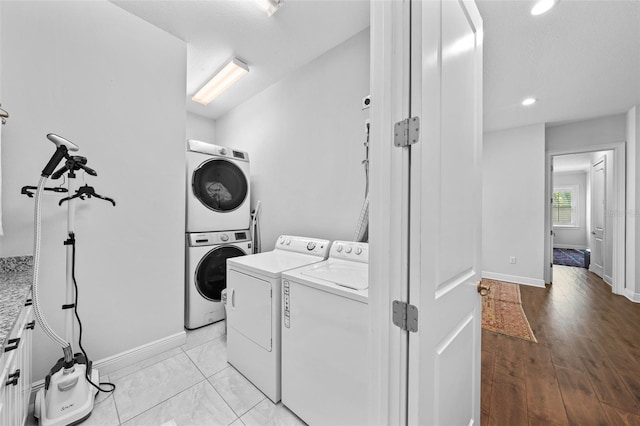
(16, 274)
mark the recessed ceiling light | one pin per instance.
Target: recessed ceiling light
(542, 6)
(229, 74)
(529, 101)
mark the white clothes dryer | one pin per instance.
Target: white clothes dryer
(253, 308)
(206, 277)
(325, 338)
(218, 188)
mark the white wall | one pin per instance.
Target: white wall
(513, 205)
(573, 237)
(114, 85)
(305, 139)
(201, 128)
(633, 203)
(597, 131)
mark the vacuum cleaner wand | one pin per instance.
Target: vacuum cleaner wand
(63, 147)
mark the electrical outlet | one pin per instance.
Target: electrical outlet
(513, 259)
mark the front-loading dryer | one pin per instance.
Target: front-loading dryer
(218, 188)
(206, 277)
(253, 308)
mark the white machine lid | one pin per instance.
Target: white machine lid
(346, 274)
(298, 252)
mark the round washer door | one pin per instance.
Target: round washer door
(220, 185)
(211, 273)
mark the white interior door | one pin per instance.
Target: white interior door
(598, 206)
(550, 231)
(445, 215)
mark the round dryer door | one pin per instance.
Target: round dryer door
(220, 185)
(211, 274)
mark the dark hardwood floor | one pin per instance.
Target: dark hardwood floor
(585, 368)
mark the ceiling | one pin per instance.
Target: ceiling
(580, 60)
(217, 30)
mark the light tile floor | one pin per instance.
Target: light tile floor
(191, 385)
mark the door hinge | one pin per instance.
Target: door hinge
(551, 265)
(405, 316)
(406, 132)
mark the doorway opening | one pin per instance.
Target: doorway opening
(585, 192)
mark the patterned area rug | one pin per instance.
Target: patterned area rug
(569, 257)
(502, 311)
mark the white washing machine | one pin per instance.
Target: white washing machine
(253, 308)
(325, 338)
(218, 190)
(206, 277)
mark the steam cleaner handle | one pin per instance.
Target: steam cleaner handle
(58, 156)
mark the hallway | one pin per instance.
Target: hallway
(585, 370)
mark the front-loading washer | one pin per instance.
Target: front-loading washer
(253, 308)
(218, 188)
(325, 338)
(206, 276)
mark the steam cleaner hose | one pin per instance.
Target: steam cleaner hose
(66, 346)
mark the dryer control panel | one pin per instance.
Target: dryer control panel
(305, 245)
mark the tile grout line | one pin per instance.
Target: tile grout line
(222, 397)
(163, 401)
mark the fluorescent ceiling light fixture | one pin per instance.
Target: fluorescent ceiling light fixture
(229, 74)
(542, 6)
(270, 6)
(529, 101)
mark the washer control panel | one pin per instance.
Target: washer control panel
(303, 245)
(214, 238)
(349, 250)
(287, 303)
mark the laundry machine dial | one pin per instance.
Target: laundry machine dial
(347, 250)
(339, 248)
(311, 245)
(359, 251)
(224, 237)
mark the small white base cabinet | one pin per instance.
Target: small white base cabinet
(15, 370)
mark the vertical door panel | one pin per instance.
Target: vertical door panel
(446, 92)
(597, 217)
(249, 307)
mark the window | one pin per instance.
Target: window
(565, 203)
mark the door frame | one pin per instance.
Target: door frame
(388, 212)
(618, 284)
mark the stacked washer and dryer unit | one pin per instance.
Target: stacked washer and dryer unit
(218, 216)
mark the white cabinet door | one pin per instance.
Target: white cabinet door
(445, 216)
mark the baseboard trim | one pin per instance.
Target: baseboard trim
(609, 280)
(534, 282)
(127, 358)
(634, 297)
(569, 246)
